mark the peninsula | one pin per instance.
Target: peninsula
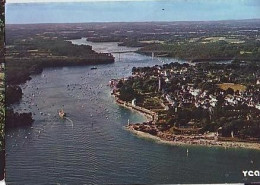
(214, 104)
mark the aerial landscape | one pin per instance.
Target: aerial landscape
(143, 100)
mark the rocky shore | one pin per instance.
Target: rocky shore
(15, 119)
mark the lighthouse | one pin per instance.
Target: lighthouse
(159, 84)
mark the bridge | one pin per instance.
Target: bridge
(128, 51)
(121, 52)
(153, 53)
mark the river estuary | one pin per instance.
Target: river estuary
(92, 147)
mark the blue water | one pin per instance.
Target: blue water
(135, 11)
(95, 148)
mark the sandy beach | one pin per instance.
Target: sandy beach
(194, 142)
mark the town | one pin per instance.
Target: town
(214, 101)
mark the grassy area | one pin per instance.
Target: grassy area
(235, 87)
(229, 40)
(2, 75)
(151, 41)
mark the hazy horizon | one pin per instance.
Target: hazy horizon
(130, 11)
(256, 19)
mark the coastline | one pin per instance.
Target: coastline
(222, 144)
(149, 115)
(178, 140)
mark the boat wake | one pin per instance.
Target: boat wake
(72, 124)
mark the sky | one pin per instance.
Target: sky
(129, 11)
(39, 1)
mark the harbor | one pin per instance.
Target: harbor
(98, 149)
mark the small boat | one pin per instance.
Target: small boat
(62, 114)
(93, 68)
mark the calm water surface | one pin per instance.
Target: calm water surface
(92, 147)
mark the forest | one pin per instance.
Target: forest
(212, 51)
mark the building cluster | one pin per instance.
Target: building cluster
(180, 88)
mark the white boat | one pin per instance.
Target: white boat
(62, 114)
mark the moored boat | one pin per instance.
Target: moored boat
(93, 68)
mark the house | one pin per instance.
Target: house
(134, 102)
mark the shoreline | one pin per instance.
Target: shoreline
(222, 144)
(179, 140)
(149, 115)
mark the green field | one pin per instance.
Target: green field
(235, 87)
(2, 76)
